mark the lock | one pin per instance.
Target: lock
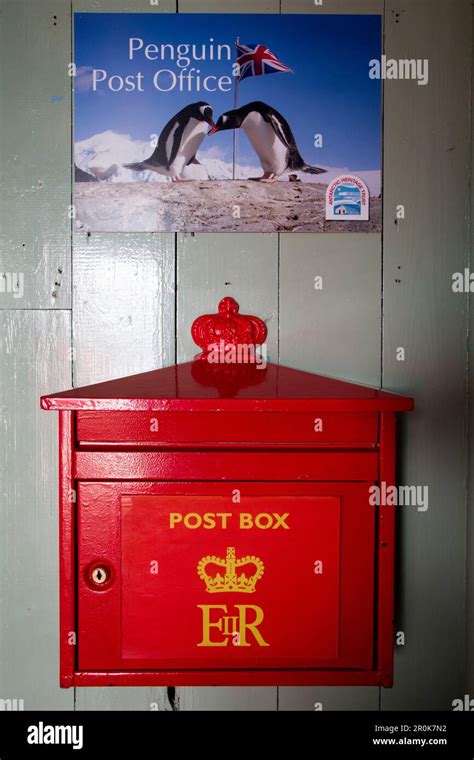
(99, 576)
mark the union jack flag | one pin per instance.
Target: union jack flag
(254, 60)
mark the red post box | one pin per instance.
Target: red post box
(218, 525)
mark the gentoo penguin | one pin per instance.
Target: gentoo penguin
(103, 174)
(179, 142)
(271, 137)
(81, 176)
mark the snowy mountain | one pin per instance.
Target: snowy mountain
(99, 153)
(102, 155)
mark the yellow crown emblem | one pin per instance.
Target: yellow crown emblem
(230, 581)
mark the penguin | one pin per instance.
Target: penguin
(103, 174)
(179, 142)
(271, 137)
(81, 176)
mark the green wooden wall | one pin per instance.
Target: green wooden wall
(105, 305)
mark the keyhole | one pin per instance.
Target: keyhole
(99, 575)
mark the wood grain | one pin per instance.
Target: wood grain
(34, 350)
(333, 6)
(230, 6)
(336, 330)
(228, 698)
(123, 322)
(123, 6)
(93, 698)
(212, 266)
(123, 315)
(426, 154)
(35, 92)
(317, 698)
(470, 525)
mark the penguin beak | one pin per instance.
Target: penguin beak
(214, 128)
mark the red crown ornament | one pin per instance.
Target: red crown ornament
(227, 328)
(229, 340)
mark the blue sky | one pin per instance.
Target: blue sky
(329, 92)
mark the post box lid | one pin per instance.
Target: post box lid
(199, 386)
(231, 374)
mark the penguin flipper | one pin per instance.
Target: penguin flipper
(81, 176)
(193, 160)
(283, 131)
(158, 157)
(281, 128)
(178, 134)
(135, 167)
(308, 169)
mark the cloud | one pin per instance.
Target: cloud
(83, 78)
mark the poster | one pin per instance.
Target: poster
(227, 123)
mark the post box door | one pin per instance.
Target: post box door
(236, 575)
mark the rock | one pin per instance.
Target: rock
(210, 206)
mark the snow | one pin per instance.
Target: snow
(98, 153)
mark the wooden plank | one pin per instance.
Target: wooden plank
(273, 6)
(333, 6)
(426, 154)
(35, 357)
(35, 92)
(123, 323)
(317, 698)
(123, 6)
(335, 330)
(123, 317)
(230, 6)
(212, 266)
(110, 698)
(470, 532)
(217, 698)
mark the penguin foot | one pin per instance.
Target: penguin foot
(267, 177)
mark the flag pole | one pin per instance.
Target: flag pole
(235, 131)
